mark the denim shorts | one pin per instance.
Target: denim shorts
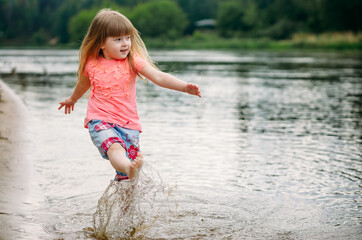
(104, 134)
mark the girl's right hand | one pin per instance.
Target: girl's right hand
(192, 89)
(69, 105)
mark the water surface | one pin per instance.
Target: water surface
(271, 151)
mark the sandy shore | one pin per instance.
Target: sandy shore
(14, 167)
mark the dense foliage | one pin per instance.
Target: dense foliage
(64, 21)
(161, 18)
(278, 19)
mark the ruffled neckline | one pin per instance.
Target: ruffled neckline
(110, 61)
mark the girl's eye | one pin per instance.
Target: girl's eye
(120, 39)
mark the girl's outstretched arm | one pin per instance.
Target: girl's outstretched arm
(81, 88)
(168, 81)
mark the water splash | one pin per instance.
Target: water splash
(128, 209)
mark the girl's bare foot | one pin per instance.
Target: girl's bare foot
(135, 165)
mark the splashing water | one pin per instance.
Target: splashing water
(128, 209)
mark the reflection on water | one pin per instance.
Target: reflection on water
(271, 151)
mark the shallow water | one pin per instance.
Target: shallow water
(271, 151)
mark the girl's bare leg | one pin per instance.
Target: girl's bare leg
(119, 161)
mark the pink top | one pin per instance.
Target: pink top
(113, 91)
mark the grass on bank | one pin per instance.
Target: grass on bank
(210, 40)
(333, 41)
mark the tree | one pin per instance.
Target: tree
(338, 15)
(236, 16)
(162, 18)
(79, 24)
(198, 10)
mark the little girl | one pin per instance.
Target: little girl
(112, 54)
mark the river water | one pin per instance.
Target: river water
(271, 151)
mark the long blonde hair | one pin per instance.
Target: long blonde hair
(109, 23)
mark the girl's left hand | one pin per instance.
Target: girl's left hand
(192, 89)
(68, 103)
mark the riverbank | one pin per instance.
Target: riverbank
(346, 41)
(14, 167)
(325, 41)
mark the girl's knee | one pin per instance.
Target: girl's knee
(115, 147)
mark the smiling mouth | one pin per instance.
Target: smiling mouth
(124, 51)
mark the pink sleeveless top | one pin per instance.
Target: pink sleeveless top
(113, 91)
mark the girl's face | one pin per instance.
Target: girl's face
(116, 47)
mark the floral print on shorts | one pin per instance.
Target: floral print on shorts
(105, 134)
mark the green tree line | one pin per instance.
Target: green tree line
(66, 21)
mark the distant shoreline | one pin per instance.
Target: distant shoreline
(205, 41)
(211, 41)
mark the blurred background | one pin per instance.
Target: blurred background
(190, 23)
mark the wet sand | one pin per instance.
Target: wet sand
(14, 167)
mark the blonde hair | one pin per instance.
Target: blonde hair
(109, 23)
